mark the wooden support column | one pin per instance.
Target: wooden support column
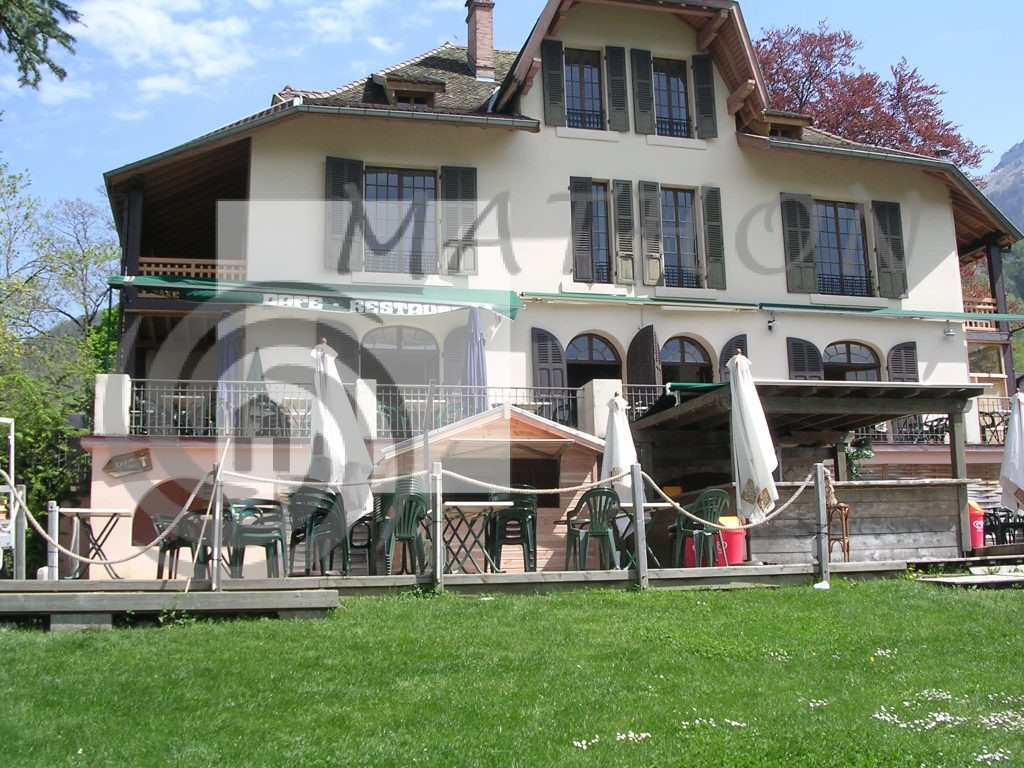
(839, 461)
(958, 461)
(997, 284)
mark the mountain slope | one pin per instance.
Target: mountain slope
(1005, 185)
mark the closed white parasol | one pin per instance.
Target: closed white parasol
(753, 453)
(1011, 474)
(338, 453)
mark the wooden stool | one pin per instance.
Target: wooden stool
(844, 529)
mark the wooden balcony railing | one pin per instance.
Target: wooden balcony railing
(981, 306)
(202, 268)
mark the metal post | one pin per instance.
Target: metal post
(639, 528)
(218, 512)
(438, 544)
(19, 523)
(821, 540)
(53, 530)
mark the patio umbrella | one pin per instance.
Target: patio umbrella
(753, 453)
(619, 455)
(229, 356)
(474, 366)
(1011, 474)
(338, 454)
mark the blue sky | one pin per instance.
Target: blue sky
(150, 74)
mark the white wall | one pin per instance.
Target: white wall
(287, 225)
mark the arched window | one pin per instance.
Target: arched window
(685, 360)
(850, 361)
(398, 354)
(590, 357)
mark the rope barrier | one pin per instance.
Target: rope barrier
(532, 491)
(372, 482)
(746, 526)
(20, 502)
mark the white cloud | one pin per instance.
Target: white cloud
(53, 92)
(167, 38)
(155, 86)
(339, 22)
(382, 45)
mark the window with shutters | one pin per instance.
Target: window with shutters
(685, 360)
(590, 357)
(670, 99)
(591, 231)
(850, 361)
(400, 216)
(840, 256)
(583, 105)
(679, 238)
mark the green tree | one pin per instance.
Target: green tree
(27, 27)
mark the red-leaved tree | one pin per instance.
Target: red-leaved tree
(815, 72)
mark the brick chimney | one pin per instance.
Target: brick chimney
(480, 21)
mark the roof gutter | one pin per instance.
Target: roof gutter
(890, 314)
(612, 299)
(296, 107)
(942, 166)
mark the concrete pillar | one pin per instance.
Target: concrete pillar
(111, 404)
(366, 407)
(593, 404)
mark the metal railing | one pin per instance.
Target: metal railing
(405, 410)
(933, 429)
(641, 397)
(225, 408)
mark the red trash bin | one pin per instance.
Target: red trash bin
(977, 520)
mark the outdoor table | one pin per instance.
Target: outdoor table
(96, 541)
(627, 507)
(465, 528)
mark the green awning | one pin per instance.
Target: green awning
(378, 300)
(886, 312)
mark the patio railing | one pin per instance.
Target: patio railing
(933, 429)
(276, 409)
(641, 397)
(404, 410)
(226, 408)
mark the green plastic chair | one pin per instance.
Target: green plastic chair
(709, 506)
(516, 525)
(373, 526)
(596, 514)
(256, 523)
(309, 510)
(184, 536)
(410, 505)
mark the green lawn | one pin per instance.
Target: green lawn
(883, 673)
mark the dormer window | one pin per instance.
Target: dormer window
(407, 99)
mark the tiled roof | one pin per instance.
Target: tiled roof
(822, 138)
(449, 64)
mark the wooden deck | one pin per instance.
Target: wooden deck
(69, 605)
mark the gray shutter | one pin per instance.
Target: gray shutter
(582, 220)
(618, 105)
(625, 256)
(650, 228)
(344, 196)
(714, 237)
(548, 359)
(458, 217)
(553, 71)
(643, 92)
(902, 362)
(804, 361)
(453, 356)
(643, 358)
(799, 237)
(703, 67)
(342, 341)
(736, 342)
(892, 262)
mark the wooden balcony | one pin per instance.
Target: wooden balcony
(980, 306)
(202, 268)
